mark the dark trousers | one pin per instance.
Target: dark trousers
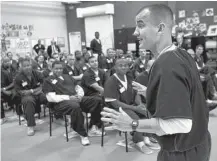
(198, 153)
(31, 105)
(93, 105)
(73, 109)
(137, 136)
(2, 111)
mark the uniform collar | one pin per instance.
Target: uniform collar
(168, 48)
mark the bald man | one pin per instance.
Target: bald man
(175, 98)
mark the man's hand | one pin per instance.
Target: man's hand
(26, 92)
(8, 93)
(139, 88)
(74, 98)
(37, 92)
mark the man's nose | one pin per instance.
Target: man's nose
(136, 32)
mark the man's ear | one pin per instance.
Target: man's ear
(161, 28)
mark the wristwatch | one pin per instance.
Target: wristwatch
(135, 124)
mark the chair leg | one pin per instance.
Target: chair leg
(19, 113)
(39, 115)
(44, 107)
(51, 124)
(102, 137)
(126, 141)
(87, 126)
(67, 138)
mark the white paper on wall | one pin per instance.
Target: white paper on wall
(209, 12)
(74, 41)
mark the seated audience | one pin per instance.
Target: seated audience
(14, 64)
(48, 71)
(28, 84)
(41, 64)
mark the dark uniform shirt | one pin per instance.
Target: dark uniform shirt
(22, 82)
(65, 86)
(90, 78)
(38, 47)
(6, 78)
(115, 89)
(72, 72)
(174, 91)
(139, 66)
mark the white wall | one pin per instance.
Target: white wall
(48, 18)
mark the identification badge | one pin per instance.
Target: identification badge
(108, 61)
(122, 90)
(54, 81)
(84, 68)
(216, 75)
(97, 79)
(141, 66)
(24, 84)
(105, 70)
(38, 83)
(70, 73)
(39, 68)
(51, 73)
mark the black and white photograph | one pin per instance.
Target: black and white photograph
(108, 80)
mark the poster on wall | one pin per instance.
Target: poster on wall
(182, 14)
(212, 31)
(74, 41)
(202, 27)
(209, 12)
(215, 19)
(182, 24)
(22, 45)
(61, 41)
(189, 23)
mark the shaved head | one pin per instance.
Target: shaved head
(157, 14)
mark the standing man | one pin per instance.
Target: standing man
(38, 47)
(53, 48)
(175, 99)
(96, 44)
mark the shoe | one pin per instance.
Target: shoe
(72, 134)
(95, 131)
(85, 141)
(153, 140)
(21, 118)
(143, 148)
(3, 120)
(30, 131)
(153, 146)
(123, 144)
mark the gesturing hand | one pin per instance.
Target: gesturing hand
(139, 88)
(120, 120)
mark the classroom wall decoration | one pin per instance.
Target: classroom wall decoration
(196, 22)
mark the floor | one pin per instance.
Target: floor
(16, 146)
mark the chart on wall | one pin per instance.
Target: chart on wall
(74, 41)
(104, 25)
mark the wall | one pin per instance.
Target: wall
(124, 14)
(48, 18)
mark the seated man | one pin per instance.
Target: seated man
(28, 84)
(119, 93)
(48, 71)
(109, 61)
(141, 63)
(73, 70)
(83, 63)
(41, 64)
(93, 79)
(68, 98)
(8, 94)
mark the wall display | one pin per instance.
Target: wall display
(203, 27)
(215, 18)
(74, 41)
(212, 31)
(61, 41)
(182, 14)
(131, 46)
(196, 20)
(189, 23)
(182, 24)
(209, 12)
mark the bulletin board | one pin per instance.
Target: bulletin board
(195, 18)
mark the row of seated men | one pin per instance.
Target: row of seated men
(77, 84)
(208, 76)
